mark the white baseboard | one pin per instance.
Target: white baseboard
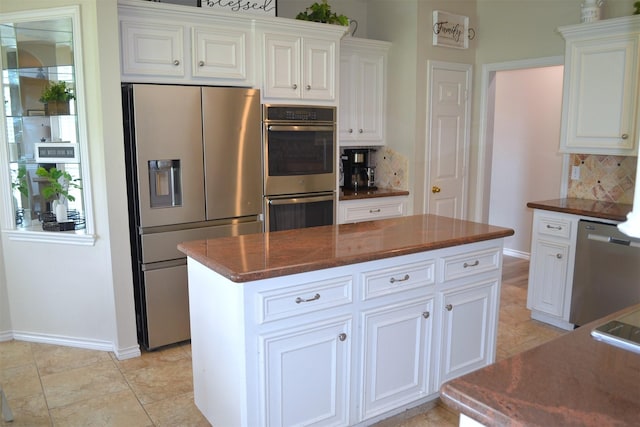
(6, 336)
(64, 341)
(127, 353)
(516, 254)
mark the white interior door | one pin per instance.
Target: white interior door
(448, 131)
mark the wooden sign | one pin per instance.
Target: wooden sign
(254, 7)
(450, 30)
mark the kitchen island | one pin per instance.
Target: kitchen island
(340, 325)
(572, 380)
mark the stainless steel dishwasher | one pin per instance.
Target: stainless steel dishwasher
(606, 276)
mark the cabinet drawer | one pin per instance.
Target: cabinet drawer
(304, 298)
(393, 280)
(471, 263)
(556, 227)
(365, 211)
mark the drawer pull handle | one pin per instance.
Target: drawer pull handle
(394, 280)
(449, 307)
(551, 227)
(342, 336)
(374, 210)
(465, 265)
(426, 314)
(314, 298)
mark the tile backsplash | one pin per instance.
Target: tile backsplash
(605, 178)
(391, 169)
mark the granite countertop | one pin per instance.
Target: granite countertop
(571, 380)
(593, 208)
(347, 194)
(265, 255)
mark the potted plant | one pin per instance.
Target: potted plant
(56, 97)
(321, 12)
(57, 189)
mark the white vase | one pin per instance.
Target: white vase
(61, 211)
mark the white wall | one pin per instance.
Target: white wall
(526, 165)
(81, 295)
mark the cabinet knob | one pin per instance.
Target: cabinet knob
(308, 87)
(342, 336)
(176, 62)
(435, 189)
(201, 63)
(404, 279)
(350, 130)
(559, 256)
(426, 314)
(295, 86)
(625, 136)
(449, 307)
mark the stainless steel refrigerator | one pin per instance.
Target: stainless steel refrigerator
(193, 171)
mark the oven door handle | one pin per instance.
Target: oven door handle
(294, 128)
(300, 200)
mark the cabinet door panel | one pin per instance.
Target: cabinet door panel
(319, 70)
(468, 329)
(152, 49)
(221, 54)
(397, 351)
(549, 277)
(371, 98)
(282, 66)
(306, 375)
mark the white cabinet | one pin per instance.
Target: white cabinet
(299, 67)
(363, 92)
(468, 328)
(343, 345)
(468, 303)
(164, 44)
(306, 374)
(371, 209)
(397, 335)
(151, 48)
(600, 98)
(551, 267)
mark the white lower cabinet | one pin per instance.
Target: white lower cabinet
(306, 374)
(342, 346)
(469, 327)
(396, 353)
(551, 267)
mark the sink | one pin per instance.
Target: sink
(623, 331)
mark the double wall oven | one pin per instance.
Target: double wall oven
(299, 166)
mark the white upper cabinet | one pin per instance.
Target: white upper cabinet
(299, 67)
(169, 44)
(299, 61)
(363, 65)
(600, 99)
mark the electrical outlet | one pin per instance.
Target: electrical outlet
(575, 173)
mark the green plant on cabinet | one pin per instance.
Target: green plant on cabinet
(56, 97)
(321, 12)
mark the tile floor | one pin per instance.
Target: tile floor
(63, 386)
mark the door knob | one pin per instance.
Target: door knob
(435, 189)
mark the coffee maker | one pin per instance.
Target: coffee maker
(359, 173)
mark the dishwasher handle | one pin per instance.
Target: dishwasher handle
(609, 239)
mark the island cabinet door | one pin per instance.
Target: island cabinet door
(468, 329)
(305, 375)
(396, 352)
